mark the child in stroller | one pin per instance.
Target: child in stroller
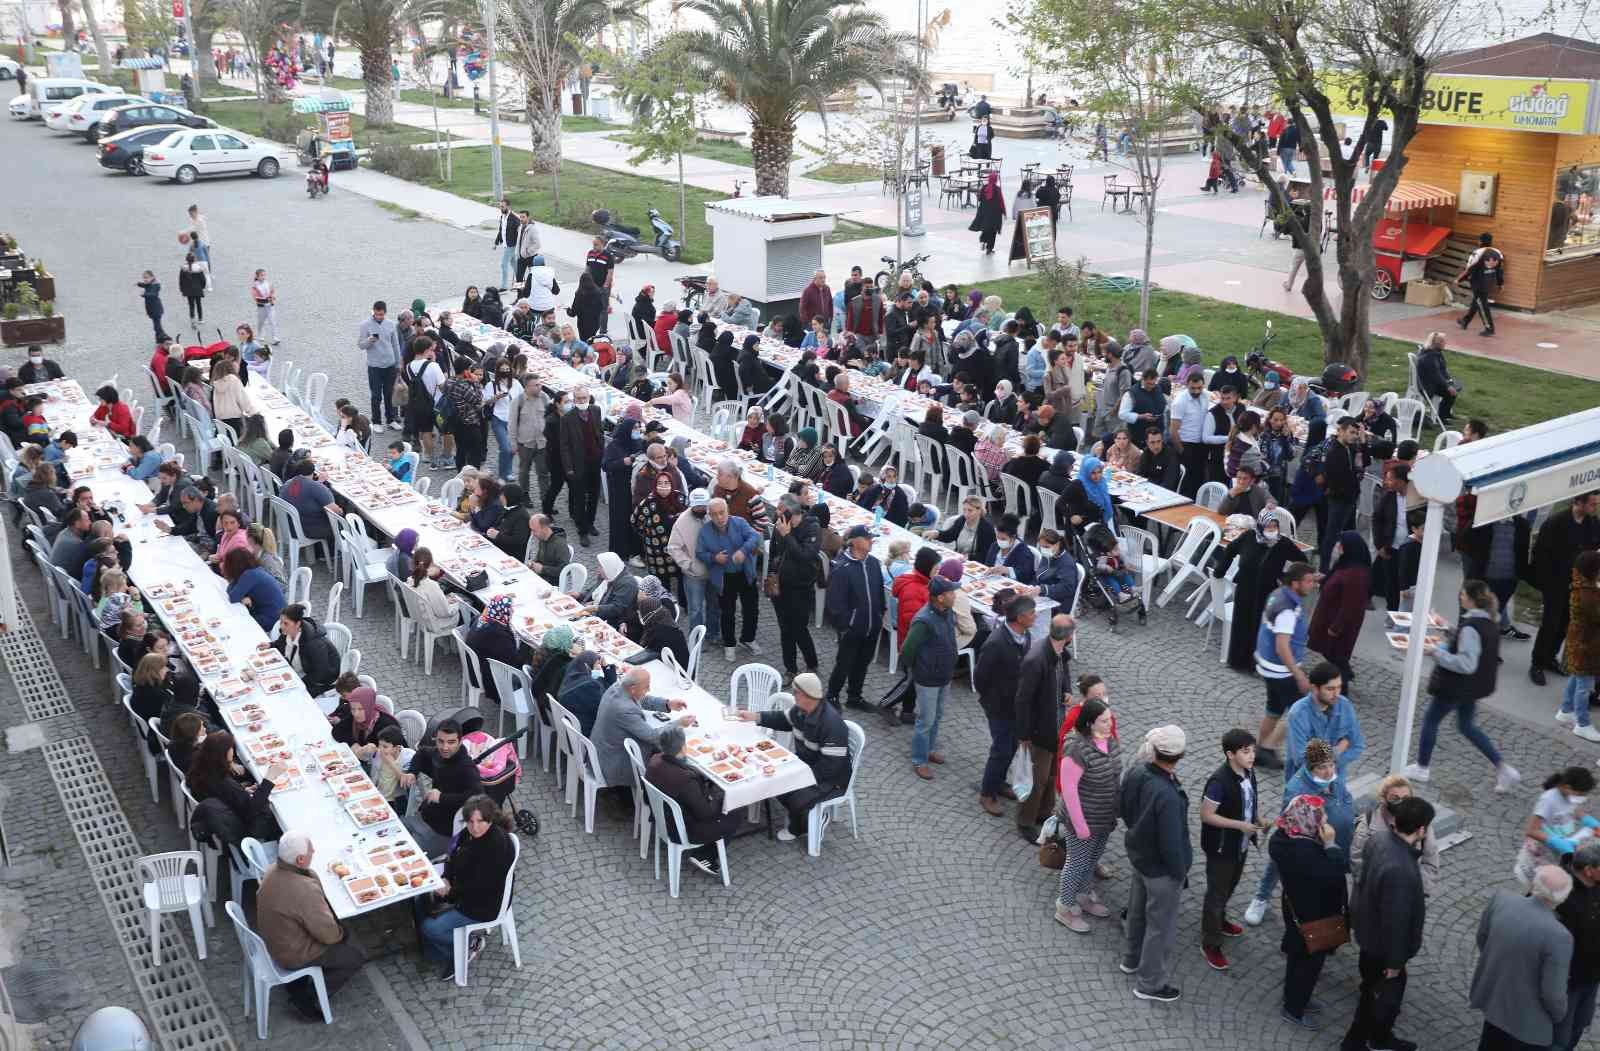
(1109, 569)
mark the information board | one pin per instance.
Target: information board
(1039, 235)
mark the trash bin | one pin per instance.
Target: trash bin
(577, 104)
(938, 159)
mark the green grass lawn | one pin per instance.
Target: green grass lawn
(245, 116)
(1505, 394)
(845, 173)
(579, 125)
(711, 150)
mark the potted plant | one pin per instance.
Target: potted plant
(44, 282)
(30, 319)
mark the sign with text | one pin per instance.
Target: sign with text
(914, 208)
(1541, 489)
(1039, 235)
(1507, 103)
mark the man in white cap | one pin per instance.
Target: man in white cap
(681, 546)
(821, 740)
(1155, 810)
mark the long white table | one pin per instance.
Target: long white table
(270, 713)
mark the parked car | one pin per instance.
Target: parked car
(84, 117)
(124, 151)
(143, 114)
(8, 68)
(185, 156)
(48, 94)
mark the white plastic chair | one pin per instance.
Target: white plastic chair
(363, 562)
(169, 886)
(822, 815)
(585, 764)
(1211, 495)
(261, 974)
(515, 688)
(663, 809)
(413, 724)
(697, 641)
(472, 677)
(1408, 415)
(1143, 555)
(412, 603)
(335, 596)
(1446, 440)
(1019, 496)
(174, 775)
(966, 479)
(505, 922)
(566, 775)
(641, 822)
(1221, 612)
(573, 578)
(1200, 540)
(450, 492)
(930, 464)
(291, 533)
(757, 682)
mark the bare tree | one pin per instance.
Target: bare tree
(102, 52)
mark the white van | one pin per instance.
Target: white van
(46, 94)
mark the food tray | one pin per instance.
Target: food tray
(230, 689)
(1403, 620)
(366, 890)
(249, 717)
(370, 811)
(276, 681)
(563, 605)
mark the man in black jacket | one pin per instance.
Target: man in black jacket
(999, 668)
(1341, 487)
(821, 740)
(455, 780)
(552, 453)
(582, 442)
(796, 560)
(1563, 535)
(194, 518)
(1485, 273)
(854, 609)
(1044, 691)
(1580, 914)
(505, 239)
(1159, 462)
(1155, 809)
(1387, 916)
(900, 325)
(1433, 376)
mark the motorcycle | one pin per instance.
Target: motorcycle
(623, 242)
(316, 184)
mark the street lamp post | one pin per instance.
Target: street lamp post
(914, 227)
(496, 176)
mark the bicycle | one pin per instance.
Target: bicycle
(887, 279)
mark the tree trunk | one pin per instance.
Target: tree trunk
(544, 131)
(102, 52)
(683, 206)
(200, 60)
(773, 149)
(69, 28)
(379, 79)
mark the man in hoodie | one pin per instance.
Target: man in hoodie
(681, 545)
(1155, 809)
(854, 609)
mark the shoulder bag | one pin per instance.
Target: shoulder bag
(1322, 935)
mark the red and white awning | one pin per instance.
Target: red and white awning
(1407, 197)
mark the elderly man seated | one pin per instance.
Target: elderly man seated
(621, 718)
(700, 798)
(821, 740)
(295, 920)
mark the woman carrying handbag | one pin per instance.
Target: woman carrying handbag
(1312, 867)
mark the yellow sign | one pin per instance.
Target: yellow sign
(1511, 103)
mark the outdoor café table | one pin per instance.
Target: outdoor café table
(263, 702)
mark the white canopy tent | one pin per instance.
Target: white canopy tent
(1510, 474)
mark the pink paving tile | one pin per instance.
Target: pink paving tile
(1517, 338)
(1250, 286)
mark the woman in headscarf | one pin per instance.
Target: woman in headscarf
(657, 631)
(1262, 553)
(991, 215)
(1192, 362)
(755, 428)
(491, 637)
(802, 461)
(724, 367)
(807, 369)
(973, 358)
(1313, 889)
(752, 373)
(615, 604)
(833, 474)
(1048, 195)
(586, 681)
(1087, 498)
(1308, 405)
(653, 519)
(550, 661)
(357, 720)
(1228, 374)
(617, 462)
(1342, 604)
(974, 301)
(399, 563)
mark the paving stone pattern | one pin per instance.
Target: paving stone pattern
(931, 930)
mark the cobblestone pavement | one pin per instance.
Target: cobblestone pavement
(932, 929)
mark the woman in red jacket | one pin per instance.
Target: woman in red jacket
(113, 413)
(1343, 603)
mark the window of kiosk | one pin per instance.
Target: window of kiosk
(1574, 219)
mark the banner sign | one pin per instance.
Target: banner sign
(1508, 103)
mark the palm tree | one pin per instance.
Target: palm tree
(543, 41)
(374, 27)
(778, 58)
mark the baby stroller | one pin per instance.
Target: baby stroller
(499, 766)
(1107, 585)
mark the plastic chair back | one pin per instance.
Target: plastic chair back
(166, 871)
(757, 683)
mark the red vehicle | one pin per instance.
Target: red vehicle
(1403, 246)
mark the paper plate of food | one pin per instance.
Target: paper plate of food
(276, 681)
(1404, 619)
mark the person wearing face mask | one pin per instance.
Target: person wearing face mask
(38, 368)
(1008, 553)
(1560, 822)
(1044, 692)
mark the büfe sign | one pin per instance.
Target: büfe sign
(1038, 234)
(1509, 103)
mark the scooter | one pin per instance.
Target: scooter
(623, 242)
(316, 184)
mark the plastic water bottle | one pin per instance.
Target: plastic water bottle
(769, 472)
(877, 517)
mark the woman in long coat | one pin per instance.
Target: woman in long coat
(617, 461)
(991, 217)
(1342, 603)
(653, 519)
(1262, 553)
